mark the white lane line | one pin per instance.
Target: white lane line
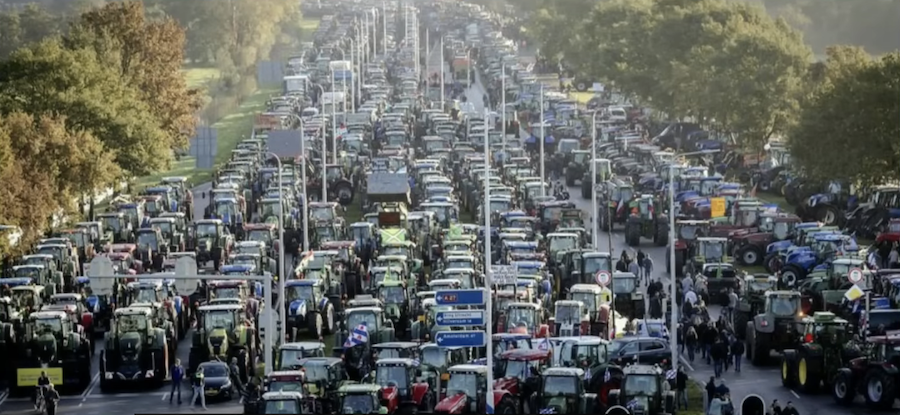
(91, 386)
(685, 362)
(3, 397)
(795, 394)
(165, 395)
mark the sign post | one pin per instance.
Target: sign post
(717, 207)
(855, 275)
(603, 278)
(504, 274)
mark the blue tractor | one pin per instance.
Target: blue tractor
(802, 231)
(801, 261)
(308, 308)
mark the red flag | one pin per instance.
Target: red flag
(753, 191)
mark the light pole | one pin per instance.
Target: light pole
(543, 178)
(282, 308)
(503, 101)
(305, 211)
(594, 210)
(353, 44)
(427, 63)
(441, 52)
(384, 27)
(487, 256)
(672, 291)
(468, 70)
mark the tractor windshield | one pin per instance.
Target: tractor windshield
(269, 209)
(500, 205)
(164, 227)
(464, 383)
(111, 223)
(358, 404)
(521, 317)
(226, 292)
(561, 385)
(393, 295)
(355, 319)
(781, 230)
(832, 334)
(562, 244)
(588, 299)
(316, 372)
(47, 326)
(23, 298)
(290, 358)
(391, 376)
(219, 319)
(688, 232)
(146, 295)
(623, 194)
(712, 250)
(131, 322)
(784, 306)
(206, 230)
(842, 269)
(520, 369)
(567, 313)
(226, 209)
(148, 240)
(259, 235)
(552, 213)
(434, 356)
(300, 292)
(594, 264)
(624, 285)
(636, 385)
(282, 406)
(360, 233)
(325, 214)
(34, 273)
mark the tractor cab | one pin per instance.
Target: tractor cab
(284, 381)
(116, 227)
(570, 319)
(826, 329)
(280, 403)
(362, 398)
(628, 299)
(558, 243)
(227, 291)
(562, 392)
(525, 318)
(395, 299)
(397, 377)
(25, 296)
(521, 370)
(325, 212)
(290, 354)
(711, 250)
(261, 232)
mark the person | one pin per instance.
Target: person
(715, 406)
(238, 384)
(42, 382)
(690, 297)
(789, 409)
(718, 352)
(775, 409)
(51, 397)
(199, 384)
(681, 387)
(732, 303)
(647, 263)
(635, 269)
(177, 378)
(640, 259)
(893, 259)
(656, 306)
(690, 341)
(710, 389)
(721, 389)
(710, 334)
(737, 350)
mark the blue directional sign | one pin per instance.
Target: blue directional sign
(467, 338)
(459, 297)
(460, 318)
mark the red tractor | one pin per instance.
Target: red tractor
(400, 391)
(523, 318)
(521, 370)
(467, 393)
(875, 376)
(748, 246)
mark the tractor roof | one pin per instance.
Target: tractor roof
(360, 388)
(221, 307)
(132, 311)
(282, 396)
(310, 345)
(469, 368)
(564, 371)
(642, 370)
(396, 362)
(54, 314)
(525, 354)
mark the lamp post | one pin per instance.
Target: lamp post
(503, 101)
(305, 212)
(324, 137)
(672, 291)
(543, 177)
(353, 45)
(282, 309)
(487, 254)
(594, 210)
(441, 52)
(384, 27)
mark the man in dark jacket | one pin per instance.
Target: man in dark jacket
(52, 399)
(681, 389)
(710, 335)
(737, 350)
(656, 306)
(719, 353)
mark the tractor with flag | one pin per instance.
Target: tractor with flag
(521, 370)
(647, 221)
(642, 390)
(616, 203)
(362, 327)
(562, 392)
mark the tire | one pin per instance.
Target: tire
(749, 255)
(880, 389)
(770, 261)
(506, 406)
(343, 190)
(329, 326)
(808, 374)
(632, 234)
(843, 390)
(791, 275)
(760, 349)
(570, 181)
(581, 87)
(661, 238)
(316, 325)
(828, 215)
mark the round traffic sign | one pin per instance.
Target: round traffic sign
(603, 278)
(855, 275)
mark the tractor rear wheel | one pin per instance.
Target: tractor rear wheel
(507, 405)
(808, 374)
(749, 255)
(791, 275)
(880, 389)
(844, 391)
(661, 237)
(788, 379)
(633, 234)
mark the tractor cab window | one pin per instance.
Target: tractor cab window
(343, 254)
(784, 306)
(226, 292)
(317, 372)
(29, 272)
(502, 346)
(367, 318)
(23, 298)
(145, 295)
(325, 232)
(269, 209)
(225, 209)
(300, 292)
(434, 356)
(282, 406)
(130, 323)
(325, 214)
(829, 333)
(568, 313)
(521, 369)
(749, 217)
(392, 376)
(333, 173)
(624, 285)
(588, 299)
(259, 235)
(562, 244)
(219, 319)
(290, 358)
(707, 187)
(111, 223)
(594, 264)
(552, 213)
(843, 269)
(393, 295)
(590, 354)
(206, 230)
(561, 385)
(644, 206)
(360, 233)
(623, 193)
(359, 404)
(468, 384)
(45, 326)
(712, 250)
(781, 230)
(641, 385)
(521, 317)
(164, 227)
(148, 240)
(689, 232)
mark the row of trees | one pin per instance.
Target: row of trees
(733, 67)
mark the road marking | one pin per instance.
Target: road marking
(91, 386)
(3, 397)
(795, 394)
(165, 395)
(686, 363)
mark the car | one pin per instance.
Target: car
(217, 380)
(639, 350)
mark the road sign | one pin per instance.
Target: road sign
(460, 318)
(466, 338)
(717, 207)
(603, 278)
(459, 297)
(504, 274)
(855, 275)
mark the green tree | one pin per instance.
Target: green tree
(859, 106)
(47, 78)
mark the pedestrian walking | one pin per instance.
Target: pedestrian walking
(690, 339)
(681, 381)
(635, 269)
(640, 261)
(788, 409)
(647, 263)
(719, 353)
(737, 352)
(199, 383)
(710, 389)
(177, 377)
(51, 399)
(710, 335)
(237, 383)
(732, 304)
(775, 408)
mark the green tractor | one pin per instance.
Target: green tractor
(51, 345)
(223, 333)
(648, 222)
(136, 351)
(603, 172)
(628, 298)
(577, 166)
(775, 328)
(752, 299)
(616, 200)
(378, 329)
(822, 352)
(643, 390)
(395, 298)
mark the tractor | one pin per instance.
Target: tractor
(643, 391)
(308, 308)
(629, 300)
(562, 392)
(874, 376)
(400, 390)
(615, 203)
(648, 222)
(711, 251)
(152, 248)
(519, 371)
(50, 344)
(749, 247)
(224, 333)
(212, 242)
(570, 319)
(362, 398)
(775, 328)
(136, 351)
(752, 299)
(687, 231)
(377, 328)
(822, 352)
(467, 392)
(395, 299)
(577, 165)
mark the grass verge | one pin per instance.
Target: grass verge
(695, 400)
(200, 77)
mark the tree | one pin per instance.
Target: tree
(849, 129)
(148, 56)
(47, 78)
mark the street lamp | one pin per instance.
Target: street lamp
(303, 180)
(594, 210)
(503, 101)
(282, 308)
(487, 254)
(442, 73)
(324, 137)
(543, 177)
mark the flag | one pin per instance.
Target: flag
(545, 344)
(632, 404)
(548, 411)
(587, 374)
(753, 191)
(416, 362)
(359, 335)
(671, 374)
(621, 206)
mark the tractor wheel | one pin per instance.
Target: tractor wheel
(581, 87)
(570, 180)
(770, 262)
(791, 275)
(604, 221)
(661, 237)
(880, 389)
(828, 215)
(788, 372)
(759, 348)
(585, 190)
(407, 410)
(316, 325)
(427, 404)
(506, 406)
(343, 190)
(632, 234)
(329, 319)
(749, 255)
(808, 374)
(844, 391)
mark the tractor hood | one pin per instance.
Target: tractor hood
(778, 246)
(298, 307)
(390, 393)
(452, 404)
(751, 235)
(741, 232)
(508, 383)
(218, 342)
(130, 344)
